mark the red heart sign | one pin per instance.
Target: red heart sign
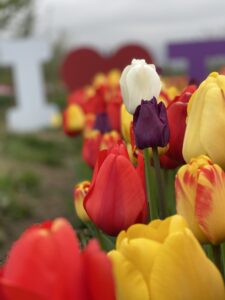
(80, 66)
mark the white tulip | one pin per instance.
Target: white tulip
(139, 81)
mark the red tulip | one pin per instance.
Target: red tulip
(168, 163)
(109, 139)
(113, 109)
(46, 264)
(116, 198)
(177, 113)
(2, 297)
(83, 97)
(91, 146)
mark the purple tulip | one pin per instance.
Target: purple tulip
(151, 127)
(102, 122)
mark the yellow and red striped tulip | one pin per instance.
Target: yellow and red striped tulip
(205, 132)
(200, 197)
(163, 261)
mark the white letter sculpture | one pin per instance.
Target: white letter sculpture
(32, 111)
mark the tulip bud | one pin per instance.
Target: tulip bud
(102, 122)
(114, 102)
(116, 198)
(109, 139)
(91, 144)
(139, 81)
(200, 197)
(177, 113)
(73, 120)
(47, 263)
(80, 191)
(151, 125)
(126, 120)
(163, 260)
(113, 78)
(56, 120)
(205, 132)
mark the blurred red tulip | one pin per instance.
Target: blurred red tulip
(109, 139)
(116, 198)
(113, 109)
(2, 297)
(91, 146)
(46, 264)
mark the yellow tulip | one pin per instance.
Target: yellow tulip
(56, 120)
(113, 77)
(200, 196)
(80, 191)
(74, 118)
(205, 132)
(163, 261)
(99, 79)
(172, 92)
(126, 120)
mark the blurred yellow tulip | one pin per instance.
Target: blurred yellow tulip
(205, 131)
(56, 120)
(126, 120)
(80, 191)
(163, 261)
(73, 119)
(99, 79)
(200, 196)
(113, 77)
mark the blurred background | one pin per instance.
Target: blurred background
(39, 169)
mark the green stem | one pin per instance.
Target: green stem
(209, 251)
(222, 248)
(218, 257)
(153, 212)
(160, 184)
(105, 241)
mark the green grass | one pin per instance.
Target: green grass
(12, 187)
(32, 148)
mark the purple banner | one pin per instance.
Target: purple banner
(197, 53)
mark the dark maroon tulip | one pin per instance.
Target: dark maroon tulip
(151, 124)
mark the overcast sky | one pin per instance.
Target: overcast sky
(106, 24)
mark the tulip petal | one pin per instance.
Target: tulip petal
(141, 252)
(98, 281)
(210, 204)
(183, 272)
(212, 133)
(130, 284)
(192, 146)
(186, 186)
(116, 199)
(144, 84)
(52, 251)
(156, 230)
(123, 85)
(15, 293)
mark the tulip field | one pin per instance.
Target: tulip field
(123, 198)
